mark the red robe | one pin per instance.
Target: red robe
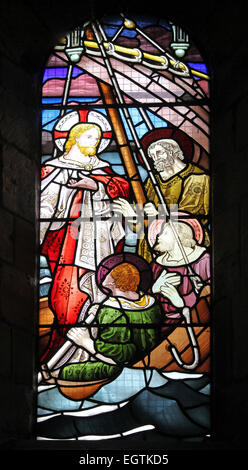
(59, 246)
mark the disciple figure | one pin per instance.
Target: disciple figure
(182, 184)
(128, 322)
(169, 260)
(77, 230)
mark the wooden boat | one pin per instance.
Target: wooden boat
(46, 318)
(80, 390)
(161, 357)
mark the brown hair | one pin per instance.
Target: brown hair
(126, 276)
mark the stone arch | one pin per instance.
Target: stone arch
(24, 63)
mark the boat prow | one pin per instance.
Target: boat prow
(80, 390)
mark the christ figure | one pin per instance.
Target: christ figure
(77, 230)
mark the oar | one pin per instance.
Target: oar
(47, 368)
(99, 34)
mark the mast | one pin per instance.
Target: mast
(119, 130)
(125, 150)
(116, 120)
(100, 36)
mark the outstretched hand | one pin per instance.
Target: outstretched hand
(150, 209)
(84, 183)
(165, 278)
(122, 206)
(170, 292)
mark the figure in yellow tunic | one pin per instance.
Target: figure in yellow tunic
(183, 184)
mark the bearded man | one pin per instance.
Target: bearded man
(77, 231)
(182, 184)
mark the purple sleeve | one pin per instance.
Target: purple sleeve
(202, 267)
(156, 270)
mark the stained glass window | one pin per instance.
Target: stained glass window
(125, 235)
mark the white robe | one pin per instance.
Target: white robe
(98, 233)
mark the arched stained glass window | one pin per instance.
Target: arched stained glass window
(124, 319)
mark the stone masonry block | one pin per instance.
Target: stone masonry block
(5, 350)
(20, 124)
(241, 123)
(16, 406)
(6, 236)
(23, 360)
(25, 245)
(17, 297)
(24, 33)
(18, 189)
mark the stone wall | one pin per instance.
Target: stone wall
(28, 31)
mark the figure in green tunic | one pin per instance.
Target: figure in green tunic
(127, 325)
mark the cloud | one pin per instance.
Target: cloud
(83, 85)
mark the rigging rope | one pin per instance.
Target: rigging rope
(100, 36)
